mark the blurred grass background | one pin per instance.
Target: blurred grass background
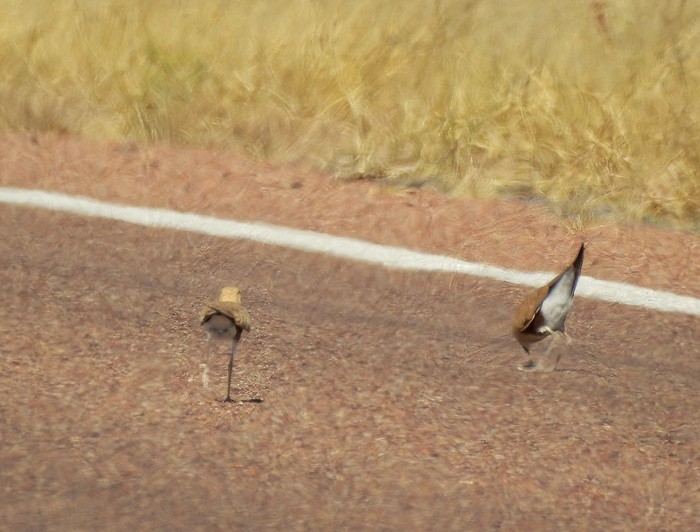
(590, 106)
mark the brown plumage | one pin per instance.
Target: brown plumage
(544, 311)
(226, 318)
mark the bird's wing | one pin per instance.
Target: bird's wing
(230, 309)
(207, 312)
(575, 268)
(561, 295)
(529, 308)
(561, 290)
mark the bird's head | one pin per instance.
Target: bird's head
(230, 293)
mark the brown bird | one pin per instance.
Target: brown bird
(544, 311)
(226, 318)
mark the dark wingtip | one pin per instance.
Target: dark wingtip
(578, 261)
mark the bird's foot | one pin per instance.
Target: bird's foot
(530, 365)
(549, 368)
(228, 400)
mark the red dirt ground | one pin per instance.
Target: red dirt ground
(390, 399)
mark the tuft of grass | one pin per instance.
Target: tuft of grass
(590, 106)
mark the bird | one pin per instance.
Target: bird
(226, 318)
(543, 312)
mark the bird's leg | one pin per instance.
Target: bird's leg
(530, 365)
(551, 345)
(234, 345)
(567, 341)
(205, 374)
(556, 339)
(542, 363)
(230, 370)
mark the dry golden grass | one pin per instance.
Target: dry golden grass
(592, 106)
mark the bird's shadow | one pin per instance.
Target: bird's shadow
(583, 372)
(255, 400)
(532, 369)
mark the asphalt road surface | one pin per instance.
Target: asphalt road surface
(366, 398)
(369, 399)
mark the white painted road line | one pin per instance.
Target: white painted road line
(349, 248)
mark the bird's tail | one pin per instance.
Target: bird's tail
(577, 264)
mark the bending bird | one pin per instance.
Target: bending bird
(543, 312)
(226, 318)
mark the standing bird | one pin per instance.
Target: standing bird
(544, 311)
(226, 318)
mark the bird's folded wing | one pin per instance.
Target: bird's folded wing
(234, 311)
(529, 308)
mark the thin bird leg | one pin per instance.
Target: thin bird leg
(567, 341)
(205, 374)
(530, 365)
(550, 346)
(556, 339)
(234, 345)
